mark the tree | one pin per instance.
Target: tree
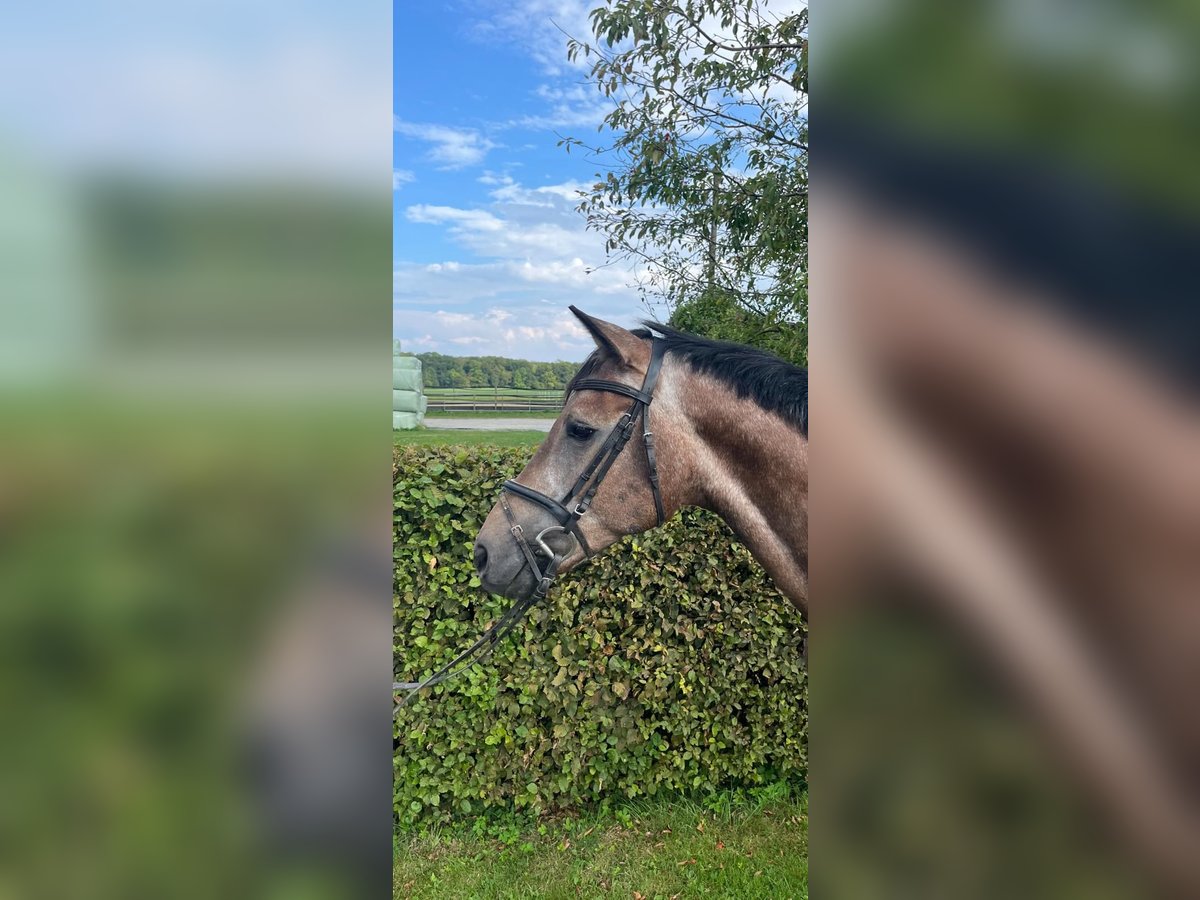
(493, 371)
(707, 185)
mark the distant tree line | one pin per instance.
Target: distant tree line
(494, 372)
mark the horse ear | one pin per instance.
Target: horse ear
(611, 338)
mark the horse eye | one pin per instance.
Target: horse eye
(579, 431)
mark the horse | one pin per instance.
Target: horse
(1025, 475)
(724, 427)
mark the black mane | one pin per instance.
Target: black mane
(773, 383)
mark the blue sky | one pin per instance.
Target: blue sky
(488, 250)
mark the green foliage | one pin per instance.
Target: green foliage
(707, 159)
(715, 314)
(494, 372)
(683, 672)
(463, 437)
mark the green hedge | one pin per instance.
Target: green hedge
(683, 672)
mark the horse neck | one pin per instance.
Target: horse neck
(751, 468)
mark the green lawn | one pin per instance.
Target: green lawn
(425, 437)
(652, 850)
(493, 414)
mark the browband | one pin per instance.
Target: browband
(613, 387)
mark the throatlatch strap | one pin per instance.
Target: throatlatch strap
(656, 357)
(648, 439)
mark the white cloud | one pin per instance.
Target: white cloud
(508, 308)
(401, 177)
(450, 318)
(536, 224)
(540, 28)
(451, 148)
(545, 333)
(573, 272)
(451, 266)
(532, 234)
(489, 177)
(569, 106)
(467, 220)
(564, 329)
(546, 196)
(531, 256)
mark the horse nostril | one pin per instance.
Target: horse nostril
(481, 556)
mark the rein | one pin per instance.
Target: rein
(582, 493)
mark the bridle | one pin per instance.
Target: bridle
(566, 512)
(584, 490)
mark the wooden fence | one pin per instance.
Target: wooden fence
(492, 399)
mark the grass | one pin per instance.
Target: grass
(426, 437)
(493, 414)
(659, 849)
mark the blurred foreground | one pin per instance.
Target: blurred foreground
(193, 620)
(194, 253)
(1006, 537)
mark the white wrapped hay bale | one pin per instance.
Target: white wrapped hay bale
(407, 378)
(408, 392)
(406, 401)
